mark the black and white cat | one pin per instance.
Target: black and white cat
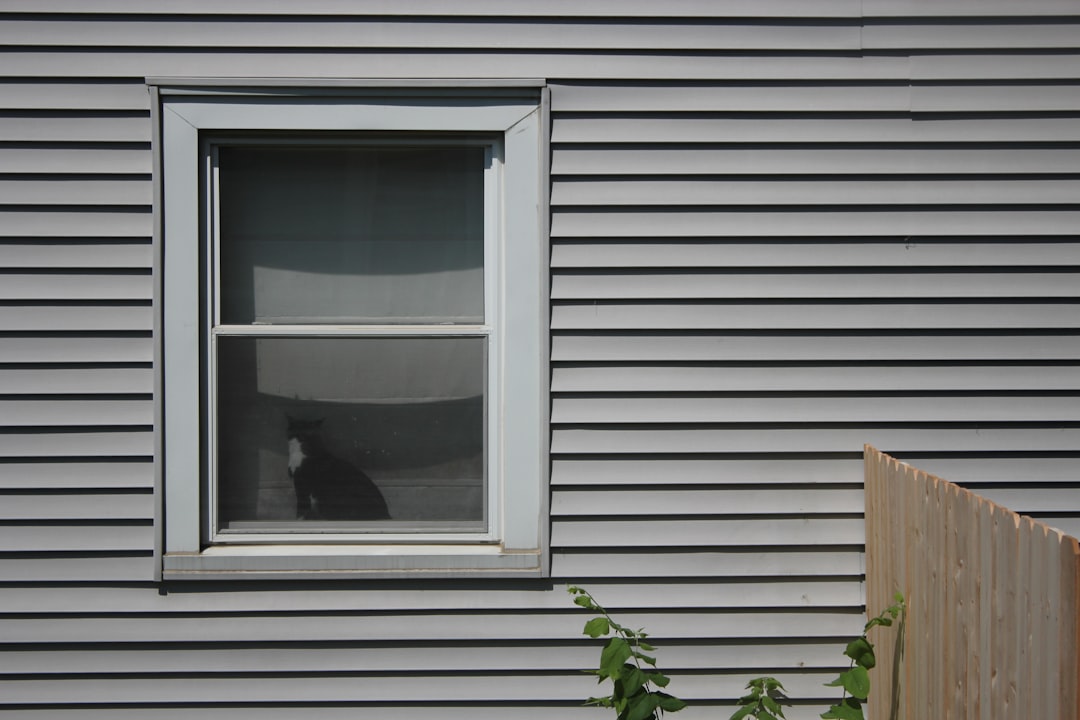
(328, 487)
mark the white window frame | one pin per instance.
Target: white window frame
(188, 112)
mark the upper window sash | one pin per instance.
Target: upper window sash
(481, 316)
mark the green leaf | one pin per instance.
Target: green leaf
(740, 714)
(645, 658)
(641, 707)
(862, 652)
(613, 656)
(849, 709)
(856, 682)
(879, 620)
(669, 703)
(772, 706)
(633, 679)
(597, 627)
(658, 679)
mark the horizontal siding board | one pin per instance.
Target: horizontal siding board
(1053, 34)
(641, 378)
(1002, 98)
(428, 627)
(75, 285)
(86, 128)
(82, 537)
(786, 500)
(569, 686)
(613, 315)
(76, 381)
(997, 67)
(87, 412)
(79, 474)
(758, 562)
(735, 98)
(61, 190)
(76, 223)
(662, 409)
(673, 347)
(464, 711)
(77, 569)
(897, 160)
(461, 657)
(73, 95)
(679, 563)
(76, 506)
(534, 710)
(1032, 499)
(211, 599)
(899, 441)
(768, 252)
(749, 284)
(769, 469)
(674, 128)
(1002, 470)
(666, 345)
(657, 471)
(76, 318)
(303, 31)
(819, 223)
(727, 532)
(80, 253)
(15, 349)
(498, 8)
(967, 8)
(75, 160)
(838, 193)
(455, 63)
(73, 443)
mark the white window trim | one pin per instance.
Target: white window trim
(187, 109)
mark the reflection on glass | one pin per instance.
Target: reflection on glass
(383, 433)
(351, 234)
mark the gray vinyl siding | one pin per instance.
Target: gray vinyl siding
(780, 229)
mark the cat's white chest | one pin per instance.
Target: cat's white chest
(296, 454)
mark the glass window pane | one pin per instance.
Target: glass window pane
(331, 434)
(351, 234)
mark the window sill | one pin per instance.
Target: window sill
(350, 561)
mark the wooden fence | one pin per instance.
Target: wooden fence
(991, 626)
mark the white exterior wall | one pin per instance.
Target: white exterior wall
(779, 230)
